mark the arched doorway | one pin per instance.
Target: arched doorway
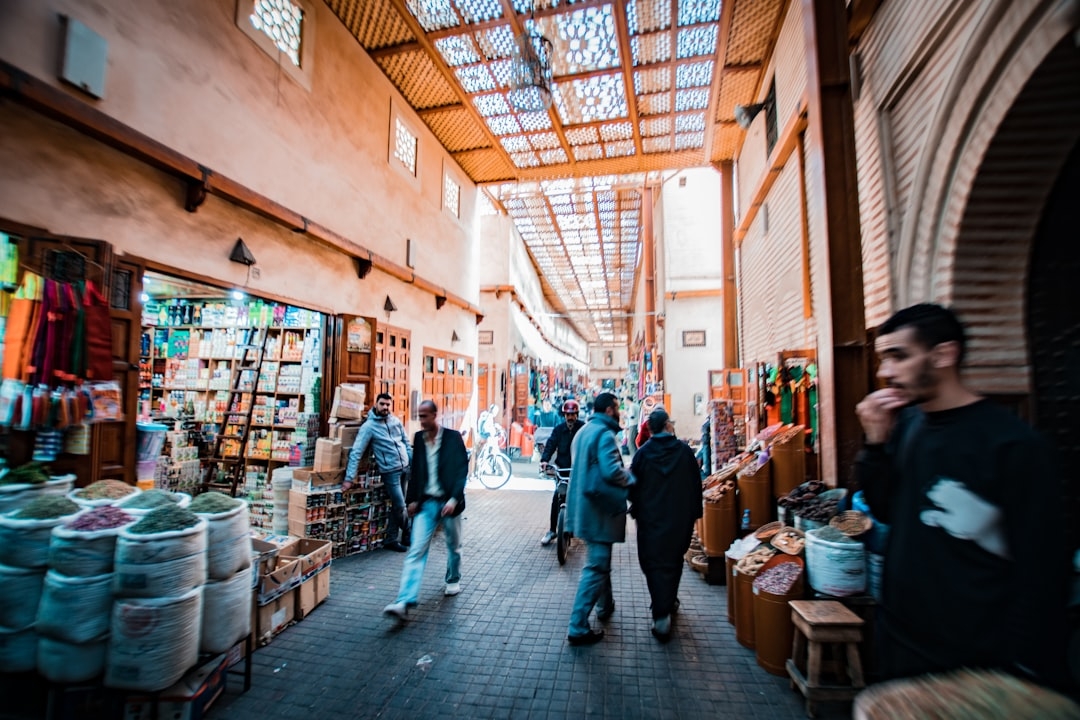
(1053, 323)
(1013, 277)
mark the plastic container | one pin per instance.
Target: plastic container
(150, 438)
(744, 609)
(835, 568)
(720, 523)
(755, 495)
(773, 629)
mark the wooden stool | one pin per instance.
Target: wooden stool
(817, 623)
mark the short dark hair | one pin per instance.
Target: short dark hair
(428, 403)
(933, 325)
(384, 396)
(604, 401)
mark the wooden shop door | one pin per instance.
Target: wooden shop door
(393, 348)
(350, 357)
(114, 443)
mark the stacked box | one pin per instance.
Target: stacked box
(327, 454)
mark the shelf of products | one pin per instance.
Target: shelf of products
(192, 353)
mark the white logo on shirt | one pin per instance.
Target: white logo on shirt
(966, 516)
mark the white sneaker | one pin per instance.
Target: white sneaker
(452, 589)
(548, 538)
(398, 609)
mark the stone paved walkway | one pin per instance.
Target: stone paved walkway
(499, 649)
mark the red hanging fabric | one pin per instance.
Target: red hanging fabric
(99, 357)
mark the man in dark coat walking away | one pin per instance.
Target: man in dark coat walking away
(665, 501)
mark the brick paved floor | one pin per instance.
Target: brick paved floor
(499, 649)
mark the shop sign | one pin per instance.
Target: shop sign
(358, 334)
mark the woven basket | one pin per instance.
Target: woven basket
(852, 523)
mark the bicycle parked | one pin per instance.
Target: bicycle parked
(563, 537)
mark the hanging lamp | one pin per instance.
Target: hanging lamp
(530, 78)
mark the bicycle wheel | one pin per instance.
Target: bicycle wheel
(562, 538)
(493, 470)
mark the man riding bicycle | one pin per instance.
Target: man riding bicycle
(558, 446)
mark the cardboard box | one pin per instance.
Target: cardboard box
(327, 454)
(275, 616)
(188, 699)
(314, 555)
(346, 432)
(349, 401)
(282, 575)
(312, 592)
(309, 479)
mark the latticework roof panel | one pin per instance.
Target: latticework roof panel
(737, 87)
(726, 139)
(484, 165)
(418, 79)
(752, 26)
(375, 24)
(456, 129)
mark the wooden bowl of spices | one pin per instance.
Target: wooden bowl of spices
(852, 523)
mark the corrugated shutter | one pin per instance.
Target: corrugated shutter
(771, 283)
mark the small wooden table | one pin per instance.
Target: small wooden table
(819, 623)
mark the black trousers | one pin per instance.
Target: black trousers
(556, 503)
(663, 582)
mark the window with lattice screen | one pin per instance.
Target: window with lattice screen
(284, 30)
(451, 196)
(405, 146)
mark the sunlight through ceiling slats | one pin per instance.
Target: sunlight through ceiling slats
(638, 87)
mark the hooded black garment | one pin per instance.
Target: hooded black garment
(665, 498)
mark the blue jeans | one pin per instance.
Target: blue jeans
(594, 587)
(425, 520)
(398, 523)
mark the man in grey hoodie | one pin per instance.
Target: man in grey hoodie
(392, 453)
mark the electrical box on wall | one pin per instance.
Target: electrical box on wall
(84, 58)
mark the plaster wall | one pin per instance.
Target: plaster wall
(188, 77)
(692, 259)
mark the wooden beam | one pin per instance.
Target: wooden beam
(726, 11)
(648, 255)
(390, 50)
(804, 229)
(785, 145)
(842, 351)
(727, 242)
(684, 294)
(622, 31)
(54, 103)
(860, 12)
(438, 109)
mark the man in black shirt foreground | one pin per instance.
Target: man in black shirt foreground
(976, 564)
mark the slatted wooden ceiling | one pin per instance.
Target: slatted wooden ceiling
(639, 87)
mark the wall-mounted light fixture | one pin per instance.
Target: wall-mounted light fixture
(388, 307)
(745, 114)
(241, 254)
(454, 338)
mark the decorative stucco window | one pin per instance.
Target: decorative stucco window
(451, 196)
(284, 30)
(405, 146)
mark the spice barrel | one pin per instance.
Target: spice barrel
(720, 524)
(773, 629)
(744, 609)
(755, 494)
(789, 464)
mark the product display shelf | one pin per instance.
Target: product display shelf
(190, 367)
